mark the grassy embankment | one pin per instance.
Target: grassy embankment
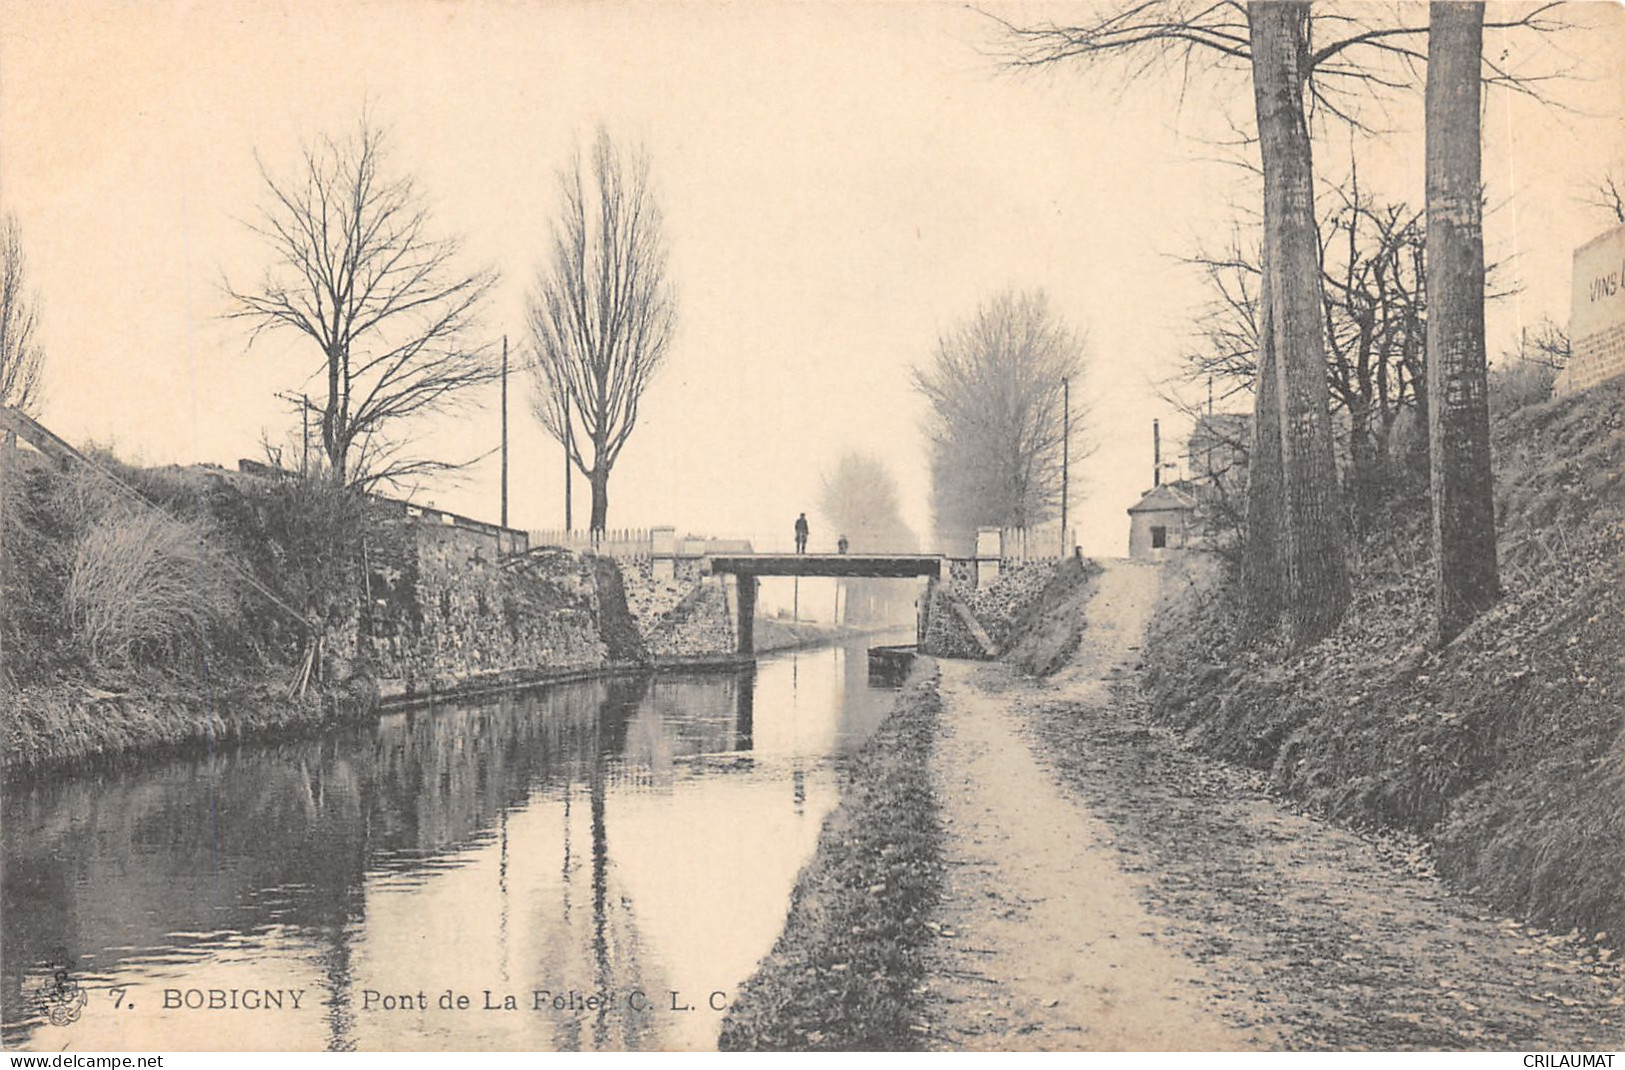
(1050, 626)
(845, 973)
(1505, 748)
(127, 627)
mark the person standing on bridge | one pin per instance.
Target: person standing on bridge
(841, 545)
(801, 533)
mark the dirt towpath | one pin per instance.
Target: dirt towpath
(1107, 889)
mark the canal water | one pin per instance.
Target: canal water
(596, 865)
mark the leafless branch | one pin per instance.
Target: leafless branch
(1608, 195)
(1356, 51)
(357, 270)
(22, 359)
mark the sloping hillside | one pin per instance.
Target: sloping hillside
(1504, 749)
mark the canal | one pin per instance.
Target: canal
(597, 865)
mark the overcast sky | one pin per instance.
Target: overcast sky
(841, 182)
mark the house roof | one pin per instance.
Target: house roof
(1163, 498)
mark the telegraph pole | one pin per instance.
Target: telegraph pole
(1066, 450)
(504, 430)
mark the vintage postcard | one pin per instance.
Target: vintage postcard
(536, 526)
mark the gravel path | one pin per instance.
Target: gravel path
(1107, 889)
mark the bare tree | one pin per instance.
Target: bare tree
(1466, 578)
(21, 356)
(1293, 529)
(1373, 284)
(1374, 293)
(996, 424)
(603, 312)
(860, 500)
(357, 269)
(1548, 345)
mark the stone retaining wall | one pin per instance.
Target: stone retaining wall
(445, 609)
(997, 607)
(699, 625)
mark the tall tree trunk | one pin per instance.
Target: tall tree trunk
(1261, 568)
(334, 439)
(568, 465)
(1466, 580)
(599, 477)
(1317, 586)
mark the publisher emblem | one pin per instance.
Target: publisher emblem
(56, 994)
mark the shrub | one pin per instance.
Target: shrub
(1515, 384)
(141, 584)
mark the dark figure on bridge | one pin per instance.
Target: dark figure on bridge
(801, 534)
(842, 544)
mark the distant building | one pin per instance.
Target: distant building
(1217, 448)
(1199, 511)
(1162, 521)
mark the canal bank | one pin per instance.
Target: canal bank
(845, 974)
(77, 723)
(780, 637)
(150, 610)
(54, 728)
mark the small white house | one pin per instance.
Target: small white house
(1161, 521)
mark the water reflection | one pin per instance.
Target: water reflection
(627, 846)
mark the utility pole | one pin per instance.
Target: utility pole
(1066, 451)
(504, 430)
(569, 433)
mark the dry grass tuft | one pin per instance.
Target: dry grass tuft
(142, 586)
